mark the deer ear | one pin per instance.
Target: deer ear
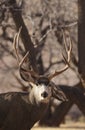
(58, 93)
(25, 75)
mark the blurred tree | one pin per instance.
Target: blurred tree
(81, 40)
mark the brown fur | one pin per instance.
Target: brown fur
(17, 113)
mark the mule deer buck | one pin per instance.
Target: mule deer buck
(21, 110)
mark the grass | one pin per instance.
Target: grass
(69, 126)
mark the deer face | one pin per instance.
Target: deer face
(40, 91)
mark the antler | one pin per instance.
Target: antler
(67, 61)
(21, 62)
(32, 73)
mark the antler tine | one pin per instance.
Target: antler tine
(24, 58)
(16, 43)
(68, 51)
(64, 40)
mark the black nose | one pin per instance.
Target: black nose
(44, 94)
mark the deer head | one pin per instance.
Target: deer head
(39, 85)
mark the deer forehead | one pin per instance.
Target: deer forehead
(43, 80)
(41, 86)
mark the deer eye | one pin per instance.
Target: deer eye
(30, 86)
(46, 82)
(37, 83)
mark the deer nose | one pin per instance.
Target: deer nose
(44, 94)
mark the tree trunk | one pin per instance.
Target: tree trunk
(81, 39)
(26, 39)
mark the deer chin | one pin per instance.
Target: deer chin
(45, 100)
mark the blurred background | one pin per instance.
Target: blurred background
(44, 20)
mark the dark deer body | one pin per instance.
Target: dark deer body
(18, 113)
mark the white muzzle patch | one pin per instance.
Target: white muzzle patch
(39, 93)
